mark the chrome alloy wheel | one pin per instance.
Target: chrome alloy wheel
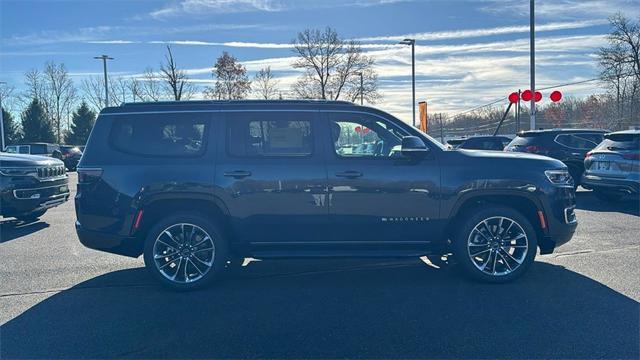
(497, 246)
(183, 253)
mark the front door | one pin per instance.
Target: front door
(376, 194)
(272, 177)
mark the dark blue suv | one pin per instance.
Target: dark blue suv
(198, 186)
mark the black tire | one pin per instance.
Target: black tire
(32, 216)
(608, 195)
(195, 224)
(492, 213)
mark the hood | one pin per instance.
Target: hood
(20, 160)
(512, 157)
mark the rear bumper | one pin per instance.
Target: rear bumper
(616, 184)
(116, 244)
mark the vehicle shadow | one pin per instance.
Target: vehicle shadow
(13, 229)
(328, 309)
(585, 200)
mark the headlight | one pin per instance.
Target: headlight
(559, 177)
(7, 171)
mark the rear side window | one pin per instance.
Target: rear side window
(621, 142)
(576, 141)
(162, 136)
(39, 149)
(268, 135)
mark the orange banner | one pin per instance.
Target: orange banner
(422, 106)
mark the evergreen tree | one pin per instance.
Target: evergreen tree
(11, 133)
(82, 123)
(35, 126)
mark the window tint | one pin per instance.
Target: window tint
(576, 141)
(159, 137)
(262, 136)
(362, 136)
(39, 149)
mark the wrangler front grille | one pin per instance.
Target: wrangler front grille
(51, 171)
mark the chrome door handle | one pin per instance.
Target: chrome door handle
(237, 174)
(349, 174)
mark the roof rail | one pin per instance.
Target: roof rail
(216, 102)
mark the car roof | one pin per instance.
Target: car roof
(559, 130)
(630, 132)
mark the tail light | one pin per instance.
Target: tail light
(89, 175)
(534, 149)
(587, 154)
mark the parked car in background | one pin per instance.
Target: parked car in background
(71, 156)
(43, 149)
(196, 185)
(567, 145)
(480, 143)
(612, 169)
(29, 185)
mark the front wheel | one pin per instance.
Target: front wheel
(495, 244)
(185, 251)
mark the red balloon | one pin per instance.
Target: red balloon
(527, 95)
(358, 129)
(538, 96)
(514, 97)
(556, 96)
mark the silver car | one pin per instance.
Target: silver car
(612, 169)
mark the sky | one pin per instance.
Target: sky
(467, 52)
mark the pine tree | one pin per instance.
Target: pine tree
(82, 123)
(35, 126)
(11, 133)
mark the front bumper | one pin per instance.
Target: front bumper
(558, 206)
(108, 242)
(21, 199)
(615, 184)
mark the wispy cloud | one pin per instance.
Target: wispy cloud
(208, 7)
(473, 33)
(564, 9)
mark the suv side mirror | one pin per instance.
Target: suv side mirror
(413, 146)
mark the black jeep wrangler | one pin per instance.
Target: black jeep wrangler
(195, 186)
(30, 184)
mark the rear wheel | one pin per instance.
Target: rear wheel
(608, 195)
(185, 251)
(495, 244)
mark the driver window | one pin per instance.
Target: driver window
(361, 136)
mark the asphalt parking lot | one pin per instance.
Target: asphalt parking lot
(61, 300)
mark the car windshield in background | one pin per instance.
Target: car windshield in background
(620, 142)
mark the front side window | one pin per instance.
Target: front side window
(159, 137)
(270, 135)
(364, 137)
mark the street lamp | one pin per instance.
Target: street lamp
(1, 123)
(412, 42)
(361, 88)
(104, 59)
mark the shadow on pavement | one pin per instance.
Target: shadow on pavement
(330, 309)
(13, 229)
(585, 200)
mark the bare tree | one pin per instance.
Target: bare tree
(60, 95)
(135, 87)
(150, 89)
(332, 67)
(6, 95)
(231, 79)
(92, 89)
(35, 88)
(620, 65)
(176, 80)
(265, 85)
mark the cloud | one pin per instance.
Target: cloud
(564, 9)
(472, 33)
(111, 42)
(207, 7)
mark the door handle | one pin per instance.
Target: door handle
(237, 174)
(349, 174)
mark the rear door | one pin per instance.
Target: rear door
(272, 177)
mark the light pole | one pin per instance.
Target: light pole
(104, 59)
(1, 123)
(412, 42)
(532, 48)
(361, 88)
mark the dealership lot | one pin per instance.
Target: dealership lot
(59, 299)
